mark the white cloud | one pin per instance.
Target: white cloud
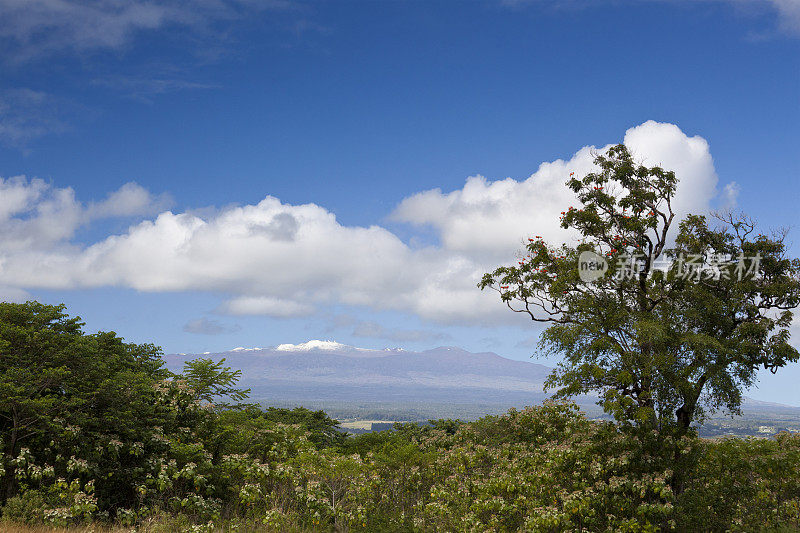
(658, 144)
(730, 196)
(489, 220)
(35, 216)
(13, 294)
(129, 200)
(18, 195)
(286, 260)
(254, 250)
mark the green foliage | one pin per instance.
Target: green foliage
(547, 469)
(108, 436)
(658, 343)
(26, 508)
(323, 430)
(208, 380)
(748, 484)
(74, 406)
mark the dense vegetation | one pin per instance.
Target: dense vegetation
(93, 429)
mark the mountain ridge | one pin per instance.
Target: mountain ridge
(316, 371)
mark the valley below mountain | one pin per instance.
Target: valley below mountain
(359, 384)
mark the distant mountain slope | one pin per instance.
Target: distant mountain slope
(316, 372)
(320, 370)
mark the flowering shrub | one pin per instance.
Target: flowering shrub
(544, 468)
(93, 429)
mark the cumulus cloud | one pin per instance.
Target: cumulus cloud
(129, 200)
(285, 260)
(36, 217)
(282, 227)
(13, 294)
(274, 259)
(488, 218)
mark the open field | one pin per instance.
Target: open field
(368, 424)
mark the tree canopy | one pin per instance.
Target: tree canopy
(66, 396)
(664, 320)
(208, 380)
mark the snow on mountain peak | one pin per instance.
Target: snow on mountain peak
(313, 345)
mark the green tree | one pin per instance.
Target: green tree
(678, 324)
(36, 342)
(75, 405)
(208, 380)
(323, 430)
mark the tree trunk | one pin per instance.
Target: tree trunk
(683, 417)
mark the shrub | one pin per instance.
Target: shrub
(744, 485)
(26, 508)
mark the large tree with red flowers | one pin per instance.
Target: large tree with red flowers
(665, 319)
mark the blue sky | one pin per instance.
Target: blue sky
(150, 133)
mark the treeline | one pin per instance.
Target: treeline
(95, 429)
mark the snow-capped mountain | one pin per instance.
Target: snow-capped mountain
(322, 371)
(328, 370)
